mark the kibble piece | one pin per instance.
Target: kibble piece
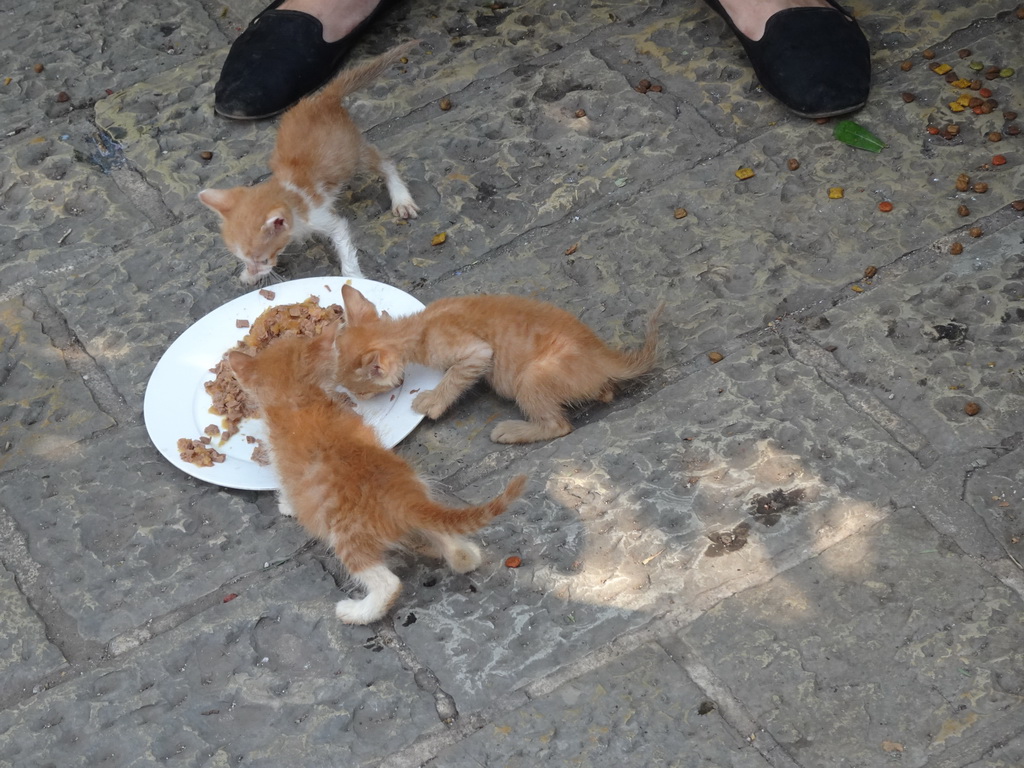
(716, 357)
(870, 272)
(1013, 130)
(1006, 72)
(975, 232)
(793, 164)
(963, 210)
(963, 53)
(956, 248)
(995, 136)
(907, 96)
(1008, 115)
(885, 206)
(680, 213)
(907, 65)
(963, 182)
(38, 68)
(744, 173)
(836, 193)
(206, 154)
(972, 408)
(928, 54)
(953, 129)
(63, 96)
(981, 187)
(581, 113)
(1017, 205)
(445, 104)
(998, 159)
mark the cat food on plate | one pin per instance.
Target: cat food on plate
(229, 401)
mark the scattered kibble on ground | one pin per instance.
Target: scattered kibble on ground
(885, 206)
(956, 248)
(972, 408)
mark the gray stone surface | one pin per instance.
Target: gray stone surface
(805, 554)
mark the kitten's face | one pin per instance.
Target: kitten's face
(290, 371)
(368, 363)
(254, 229)
(366, 367)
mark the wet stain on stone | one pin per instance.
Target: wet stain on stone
(953, 332)
(768, 509)
(410, 619)
(706, 707)
(104, 151)
(724, 542)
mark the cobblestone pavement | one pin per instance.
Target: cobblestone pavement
(804, 554)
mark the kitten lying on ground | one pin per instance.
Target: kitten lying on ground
(341, 484)
(319, 149)
(530, 351)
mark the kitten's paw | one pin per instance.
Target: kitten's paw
(464, 557)
(526, 432)
(405, 208)
(357, 612)
(428, 403)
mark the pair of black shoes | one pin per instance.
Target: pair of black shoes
(816, 61)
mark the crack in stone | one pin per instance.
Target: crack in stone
(78, 360)
(424, 678)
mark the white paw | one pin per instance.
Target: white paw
(360, 611)
(465, 557)
(405, 208)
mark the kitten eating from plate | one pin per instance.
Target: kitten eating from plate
(319, 149)
(530, 351)
(341, 484)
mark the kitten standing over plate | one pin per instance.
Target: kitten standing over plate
(530, 351)
(319, 149)
(340, 483)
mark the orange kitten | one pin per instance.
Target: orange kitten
(319, 149)
(341, 484)
(530, 351)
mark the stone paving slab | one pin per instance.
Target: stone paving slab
(89, 50)
(638, 710)
(26, 655)
(635, 515)
(808, 655)
(930, 340)
(46, 407)
(134, 559)
(269, 678)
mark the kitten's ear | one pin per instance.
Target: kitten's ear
(325, 341)
(219, 200)
(241, 364)
(276, 223)
(358, 309)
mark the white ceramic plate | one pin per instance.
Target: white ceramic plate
(177, 405)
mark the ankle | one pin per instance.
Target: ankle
(338, 17)
(750, 16)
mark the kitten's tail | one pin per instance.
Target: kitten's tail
(639, 361)
(435, 517)
(351, 79)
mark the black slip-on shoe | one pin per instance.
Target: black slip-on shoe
(816, 61)
(279, 58)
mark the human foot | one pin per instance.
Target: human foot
(750, 16)
(338, 17)
(812, 57)
(288, 51)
